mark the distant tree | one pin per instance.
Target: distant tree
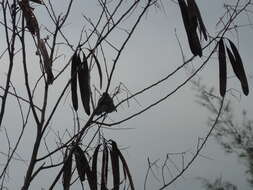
(234, 137)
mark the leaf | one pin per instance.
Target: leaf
(94, 164)
(99, 68)
(74, 67)
(104, 169)
(105, 104)
(84, 83)
(222, 67)
(125, 166)
(67, 170)
(190, 24)
(115, 166)
(46, 60)
(238, 68)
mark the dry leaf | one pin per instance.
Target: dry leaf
(105, 104)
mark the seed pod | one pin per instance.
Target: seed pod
(99, 68)
(94, 166)
(79, 157)
(125, 166)
(104, 169)
(190, 24)
(67, 170)
(105, 104)
(31, 21)
(115, 166)
(46, 60)
(74, 68)
(199, 19)
(222, 67)
(84, 167)
(238, 68)
(84, 83)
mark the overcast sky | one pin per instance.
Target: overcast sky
(173, 126)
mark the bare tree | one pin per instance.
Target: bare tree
(53, 64)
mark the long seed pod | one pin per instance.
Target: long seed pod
(222, 67)
(199, 18)
(85, 166)
(190, 24)
(31, 21)
(125, 166)
(79, 163)
(238, 68)
(115, 166)
(74, 68)
(99, 67)
(94, 165)
(84, 83)
(47, 61)
(104, 169)
(67, 170)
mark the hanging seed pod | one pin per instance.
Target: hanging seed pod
(99, 68)
(31, 21)
(222, 67)
(46, 60)
(125, 166)
(67, 170)
(105, 104)
(84, 168)
(94, 166)
(190, 24)
(199, 19)
(79, 157)
(115, 166)
(84, 83)
(104, 169)
(74, 68)
(238, 68)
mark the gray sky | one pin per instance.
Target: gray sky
(174, 125)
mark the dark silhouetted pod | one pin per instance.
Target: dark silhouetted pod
(67, 170)
(125, 166)
(238, 68)
(115, 166)
(74, 68)
(99, 68)
(84, 83)
(222, 67)
(104, 169)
